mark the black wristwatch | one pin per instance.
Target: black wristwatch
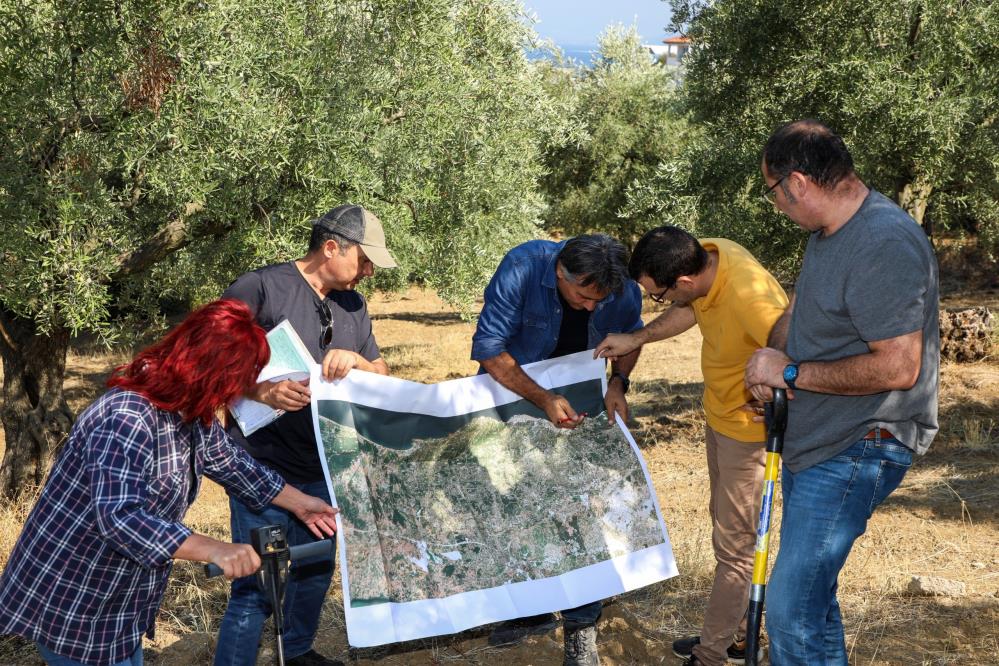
(791, 374)
(625, 382)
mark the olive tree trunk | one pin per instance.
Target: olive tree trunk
(36, 419)
(913, 198)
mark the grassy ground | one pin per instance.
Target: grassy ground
(943, 521)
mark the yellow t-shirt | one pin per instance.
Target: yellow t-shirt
(735, 318)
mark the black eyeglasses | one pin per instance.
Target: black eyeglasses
(769, 194)
(326, 318)
(661, 296)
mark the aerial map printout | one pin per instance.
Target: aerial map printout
(461, 504)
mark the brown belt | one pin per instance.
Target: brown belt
(885, 434)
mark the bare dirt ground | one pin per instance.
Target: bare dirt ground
(943, 521)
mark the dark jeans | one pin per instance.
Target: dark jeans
(826, 507)
(574, 618)
(243, 623)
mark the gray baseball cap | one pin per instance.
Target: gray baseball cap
(362, 227)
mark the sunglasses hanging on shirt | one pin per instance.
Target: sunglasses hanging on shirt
(326, 318)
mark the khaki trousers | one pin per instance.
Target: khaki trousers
(735, 471)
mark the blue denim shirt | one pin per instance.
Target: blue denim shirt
(522, 313)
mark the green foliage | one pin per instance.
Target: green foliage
(912, 86)
(622, 126)
(160, 148)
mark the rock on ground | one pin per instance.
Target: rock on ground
(931, 586)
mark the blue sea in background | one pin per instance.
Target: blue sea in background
(583, 54)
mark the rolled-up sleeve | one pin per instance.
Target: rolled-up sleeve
(118, 452)
(502, 310)
(229, 465)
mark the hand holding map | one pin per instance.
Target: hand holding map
(287, 395)
(289, 360)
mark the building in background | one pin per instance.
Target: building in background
(671, 52)
(676, 50)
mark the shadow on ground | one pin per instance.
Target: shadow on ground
(909, 630)
(959, 475)
(661, 410)
(80, 385)
(19, 651)
(426, 318)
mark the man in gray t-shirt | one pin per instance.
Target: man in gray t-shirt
(858, 349)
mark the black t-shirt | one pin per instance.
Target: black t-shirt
(280, 292)
(573, 334)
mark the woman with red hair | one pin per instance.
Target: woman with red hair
(90, 568)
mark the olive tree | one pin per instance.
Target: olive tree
(161, 147)
(623, 124)
(912, 86)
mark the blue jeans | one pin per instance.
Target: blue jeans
(826, 507)
(52, 659)
(243, 623)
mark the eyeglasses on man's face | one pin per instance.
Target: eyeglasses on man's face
(661, 296)
(326, 320)
(769, 194)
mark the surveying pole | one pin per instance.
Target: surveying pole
(776, 423)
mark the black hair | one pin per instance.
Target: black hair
(595, 259)
(808, 147)
(666, 253)
(321, 234)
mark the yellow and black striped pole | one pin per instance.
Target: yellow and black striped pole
(776, 423)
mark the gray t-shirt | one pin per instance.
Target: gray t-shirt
(874, 279)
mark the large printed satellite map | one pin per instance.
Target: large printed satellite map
(489, 503)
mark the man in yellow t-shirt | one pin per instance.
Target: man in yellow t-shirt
(721, 287)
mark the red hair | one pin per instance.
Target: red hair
(210, 358)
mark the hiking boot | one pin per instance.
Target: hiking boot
(737, 651)
(684, 648)
(581, 645)
(514, 631)
(312, 658)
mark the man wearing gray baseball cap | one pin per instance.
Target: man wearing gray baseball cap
(316, 294)
(360, 226)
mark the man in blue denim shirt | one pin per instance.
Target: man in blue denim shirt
(545, 300)
(858, 349)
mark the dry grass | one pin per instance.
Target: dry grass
(943, 521)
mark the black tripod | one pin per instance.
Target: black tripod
(276, 559)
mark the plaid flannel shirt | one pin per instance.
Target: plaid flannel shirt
(90, 568)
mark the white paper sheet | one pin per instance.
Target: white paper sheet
(289, 360)
(631, 548)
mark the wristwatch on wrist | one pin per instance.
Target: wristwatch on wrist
(791, 374)
(625, 382)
